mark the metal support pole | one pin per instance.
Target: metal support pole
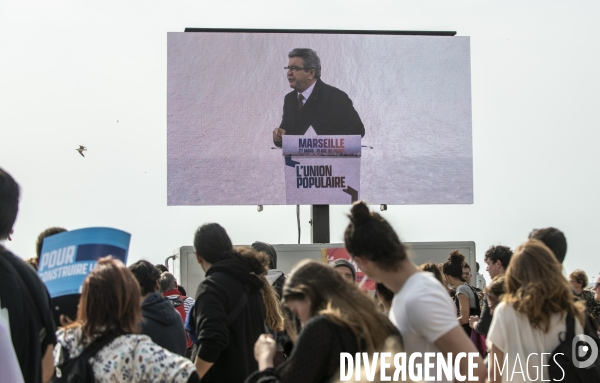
(319, 217)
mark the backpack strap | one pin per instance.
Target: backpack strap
(477, 302)
(570, 326)
(177, 301)
(233, 314)
(68, 365)
(97, 345)
(477, 309)
(239, 307)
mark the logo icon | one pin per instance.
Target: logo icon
(581, 345)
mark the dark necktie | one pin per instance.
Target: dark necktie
(300, 103)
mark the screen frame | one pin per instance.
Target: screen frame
(325, 31)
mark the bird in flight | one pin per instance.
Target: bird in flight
(81, 150)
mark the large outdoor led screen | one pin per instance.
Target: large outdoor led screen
(409, 97)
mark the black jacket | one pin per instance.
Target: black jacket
(229, 346)
(328, 110)
(25, 298)
(163, 324)
(316, 355)
(485, 320)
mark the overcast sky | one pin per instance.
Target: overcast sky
(72, 73)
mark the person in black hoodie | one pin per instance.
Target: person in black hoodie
(228, 315)
(161, 322)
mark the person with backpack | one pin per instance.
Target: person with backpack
(181, 303)
(229, 314)
(105, 335)
(465, 299)
(169, 289)
(532, 319)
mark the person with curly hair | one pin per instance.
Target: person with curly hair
(578, 280)
(465, 299)
(497, 259)
(435, 270)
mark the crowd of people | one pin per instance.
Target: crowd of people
(249, 322)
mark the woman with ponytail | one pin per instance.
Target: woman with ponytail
(421, 309)
(467, 303)
(229, 314)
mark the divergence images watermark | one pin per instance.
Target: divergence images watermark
(580, 346)
(433, 367)
(428, 367)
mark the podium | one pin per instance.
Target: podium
(321, 170)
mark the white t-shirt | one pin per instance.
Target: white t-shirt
(511, 332)
(423, 312)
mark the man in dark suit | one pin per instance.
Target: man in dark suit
(313, 103)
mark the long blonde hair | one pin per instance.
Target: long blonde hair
(536, 287)
(273, 316)
(343, 302)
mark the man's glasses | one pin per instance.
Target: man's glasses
(597, 285)
(293, 68)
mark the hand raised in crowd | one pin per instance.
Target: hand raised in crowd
(264, 351)
(277, 133)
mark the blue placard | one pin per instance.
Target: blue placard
(67, 258)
